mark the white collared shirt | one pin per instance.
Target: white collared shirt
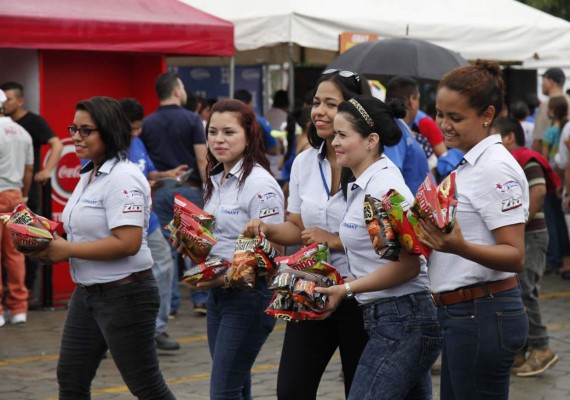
(376, 181)
(16, 151)
(259, 197)
(308, 197)
(492, 192)
(118, 195)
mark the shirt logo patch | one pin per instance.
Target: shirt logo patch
(87, 201)
(507, 186)
(131, 193)
(269, 211)
(350, 226)
(511, 203)
(132, 208)
(262, 197)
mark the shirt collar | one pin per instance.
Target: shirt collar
(365, 177)
(236, 171)
(104, 169)
(472, 155)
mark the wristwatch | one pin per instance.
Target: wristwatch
(349, 294)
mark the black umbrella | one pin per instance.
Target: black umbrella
(399, 56)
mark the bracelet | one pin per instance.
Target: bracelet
(349, 293)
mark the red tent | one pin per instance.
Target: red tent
(149, 26)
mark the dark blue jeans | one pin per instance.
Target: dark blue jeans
(237, 328)
(121, 319)
(163, 202)
(404, 341)
(481, 339)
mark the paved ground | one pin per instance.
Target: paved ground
(28, 356)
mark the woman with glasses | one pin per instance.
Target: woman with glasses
(315, 207)
(394, 297)
(115, 303)
(473, 268)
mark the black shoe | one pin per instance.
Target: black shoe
(163, 342)
(200, 308)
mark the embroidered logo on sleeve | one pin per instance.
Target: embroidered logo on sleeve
(132, 208)
(511, 203)
(507, 186)
(131, 193)
(263, 197)
(269, 211)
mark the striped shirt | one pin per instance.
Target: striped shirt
(535, 176)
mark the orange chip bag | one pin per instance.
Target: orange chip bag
(383, 237)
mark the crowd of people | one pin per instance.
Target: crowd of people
(474, 300)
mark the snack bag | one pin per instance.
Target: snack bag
(284, 307)
(184, 206)
(208, 270)
(447, 198)
(305, 257)
(197, 240)
(30, 232)
(404, 222)
(383, 237)
(266, 255)
(244, 263)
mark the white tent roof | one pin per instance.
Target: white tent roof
(503, 30)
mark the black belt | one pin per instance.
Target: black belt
(101, 287)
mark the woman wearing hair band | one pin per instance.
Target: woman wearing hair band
(315, 207)
(473, 269)
(399, 315)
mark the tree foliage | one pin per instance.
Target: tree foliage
(558, 8)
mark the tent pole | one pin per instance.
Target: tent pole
(291, 75)
(232, 76)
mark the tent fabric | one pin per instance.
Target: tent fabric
(150, 26)
(502, 30)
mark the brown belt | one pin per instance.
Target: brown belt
(474, 292)
(101, 287)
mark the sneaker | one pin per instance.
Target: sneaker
(2, 321)
(163, 342)
(172, 314)
(19, 318)
(538, 361)
(200, 309)
(520, 360)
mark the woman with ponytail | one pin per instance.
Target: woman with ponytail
(473, 269)
(399, 316)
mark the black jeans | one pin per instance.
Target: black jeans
(123, 320)
(309, 346)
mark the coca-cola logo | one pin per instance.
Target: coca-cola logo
(66, 174)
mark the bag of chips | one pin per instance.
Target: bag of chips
(252, 257)
(30, 232)
(405, 223)
(383, 237)
(284, 307)
(196, 239)
(184, 206)
(206, 271)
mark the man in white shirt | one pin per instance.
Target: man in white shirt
(16, 172)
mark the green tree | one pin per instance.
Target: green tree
(558, 8)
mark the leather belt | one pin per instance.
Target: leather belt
(468, 293)
(101, 287)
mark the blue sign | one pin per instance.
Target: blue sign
(214, 82)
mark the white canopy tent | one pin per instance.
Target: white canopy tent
(273, 32)
(502, 30)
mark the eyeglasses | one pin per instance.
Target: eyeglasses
(83, 131)
(344, 73)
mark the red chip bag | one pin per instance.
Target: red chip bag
(208, 270)
(184, 206)
(383, 237)
(197, 240)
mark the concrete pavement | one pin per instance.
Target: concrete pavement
(28, 358)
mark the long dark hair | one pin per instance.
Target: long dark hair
(112, 123)
(254, 150)
(349, 86)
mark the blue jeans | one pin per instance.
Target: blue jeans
(237, 328)
(163, 202)
(557, 231)
(163, 271)
(404, 341)
(121, 319)
(481, 339)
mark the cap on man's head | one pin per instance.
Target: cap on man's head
(556, 75)
(3, 98)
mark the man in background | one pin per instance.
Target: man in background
(41, 134)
